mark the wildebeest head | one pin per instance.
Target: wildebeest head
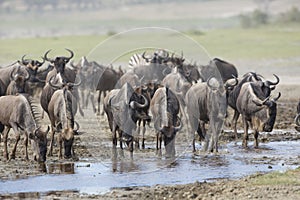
(39, 144)
(266, 114)
(19, 79)
(67, 136)
(125, 107)
(60, 61)
(32, 65)
(158, 57)
(165, 108)
(169, 133)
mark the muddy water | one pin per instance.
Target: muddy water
(99, 177)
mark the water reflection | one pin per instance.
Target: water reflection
(60, 168)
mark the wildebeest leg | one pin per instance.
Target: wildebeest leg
(60, 146)
(104, 95)
(144, 131)
(137, 136)
(26, 146)
(91, 97)
(99, 99)
(158, 143)
(256, 138)
(76, 95)
(234, 122)
(13, 153)
(5, 136)
(245, 140)
(114, 136)
(51, 141)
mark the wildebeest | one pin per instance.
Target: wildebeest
(164, 108)
(19, 114)
(257, 109)
(297, 119)
(61, 110)
(226, 70)
(120, 106)
(207, 103)
(6, 74)
(99, 78)
(267, 87)
(17, 83)
(67, 74)
(106, 82)
(38, 74)
(147, 91)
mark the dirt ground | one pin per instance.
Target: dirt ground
(87, 148)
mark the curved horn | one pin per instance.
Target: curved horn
(71, 52)
(55, 86)
(145, 58)
(77, 126)
(27, 76)
(273, 83)
(279, 95)
(46, 56)
(24, 62)
(12, 74)
(259, 102)
(41, 63)
(228, 85)
(179, 127)
(75, 84)
(135, 104)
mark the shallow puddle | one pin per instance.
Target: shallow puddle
(232, 162)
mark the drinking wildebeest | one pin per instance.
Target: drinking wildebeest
(61, 111)
(297, 119)
(207, 102)
(165, 107)
(256, 109)
(267, 87)
(19, 114)
(120, 106)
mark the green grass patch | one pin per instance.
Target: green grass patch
(260, 43)
(291, 177)
(269, 42)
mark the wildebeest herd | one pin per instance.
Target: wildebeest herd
(159, 89)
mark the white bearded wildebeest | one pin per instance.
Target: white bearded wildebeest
(267, 87)
(19, 114)
(121, 107)
(61, 111)
(165, 107)
(68, 75)
(207, 103)
(256, 109)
